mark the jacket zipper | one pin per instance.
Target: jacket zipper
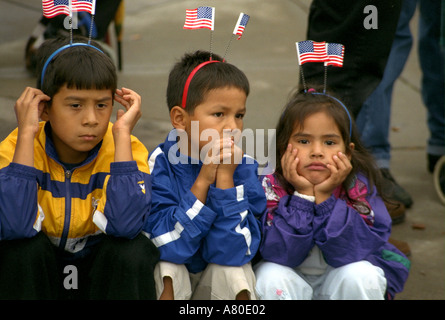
(66, 223)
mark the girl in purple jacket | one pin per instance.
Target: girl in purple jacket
(326, 230)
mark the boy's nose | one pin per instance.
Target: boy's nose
(89, 116)
(230, 124)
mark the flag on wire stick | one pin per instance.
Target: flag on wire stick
(310, 51)
(52, 8)
(84, 5)
(241, 24)
(335, 53)
(201, 17)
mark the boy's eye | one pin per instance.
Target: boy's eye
(101, 106)
(218, 114)
(75, 105)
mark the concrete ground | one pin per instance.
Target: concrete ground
(154, 39)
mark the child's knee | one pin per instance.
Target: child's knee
(360, 280)
(278, 282)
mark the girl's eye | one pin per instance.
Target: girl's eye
(240, 116)
(330, 143)
(303, 141)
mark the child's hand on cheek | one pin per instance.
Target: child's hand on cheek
(289, 163)
(340, 169)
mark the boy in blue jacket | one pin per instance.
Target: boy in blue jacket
(75, 188)
(206, 194)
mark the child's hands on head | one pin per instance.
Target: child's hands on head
(339, 169)
(131, 101)
(29, 108)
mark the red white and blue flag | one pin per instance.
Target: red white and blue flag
(84, 5)
(201, 17)
(241, 24)
(52, 8)
(335, 52)
(311, 51)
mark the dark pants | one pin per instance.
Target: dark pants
(366, 49)
(117, 268)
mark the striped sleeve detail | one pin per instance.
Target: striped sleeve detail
(175, 234)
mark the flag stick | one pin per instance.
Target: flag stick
(302, 78)
(71, 21)
(211, 44)
(93, 12)
(228, 46)
(325, 78)
(91, 28)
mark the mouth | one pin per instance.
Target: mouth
(316, 166)
(88, 137)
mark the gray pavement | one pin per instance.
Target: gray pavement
(154, 40)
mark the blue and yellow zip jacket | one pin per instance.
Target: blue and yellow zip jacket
(73, 207)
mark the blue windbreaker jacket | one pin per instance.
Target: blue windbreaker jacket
(225, 230)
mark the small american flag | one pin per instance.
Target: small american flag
(201, 17)
(241, 25)
(336, 52)
(310, 51)
(84, 5)
(52, 8)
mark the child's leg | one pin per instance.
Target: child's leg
(354, 281)
(123, 269)
(226, 283)
(28, 269)
(278, 282)
(172, 281)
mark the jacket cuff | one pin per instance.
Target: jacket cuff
(124, 167)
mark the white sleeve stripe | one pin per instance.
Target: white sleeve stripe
(240, 193)
(100, 220)
(152, 159)
(195, 209)
(245, 232)
(40, 217)
(168, 237)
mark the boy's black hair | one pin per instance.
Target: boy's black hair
(211, 76)
(80, 67)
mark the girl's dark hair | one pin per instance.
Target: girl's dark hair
(209, 77)
(80, 67)
(298, 108)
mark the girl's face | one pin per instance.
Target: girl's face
(318, 139)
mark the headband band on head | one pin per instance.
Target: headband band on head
(51, 57)
(189, 79)
(312, 91)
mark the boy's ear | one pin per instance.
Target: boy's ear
(44, 116)
(178, 117)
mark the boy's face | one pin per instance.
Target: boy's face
(79, 120)
(222, 110)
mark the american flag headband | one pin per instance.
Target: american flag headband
(189, 79)
(331, 54)
(51, 57)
